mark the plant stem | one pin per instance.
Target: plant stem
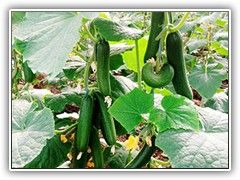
(181, 23)
(170, 17)
(166, 19)
(89, 34)
(86, 75)
(79, 54)
(138, 65)
(86, 72)
(66, 129)
(129, 156)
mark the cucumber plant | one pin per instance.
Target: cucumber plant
(136, 114)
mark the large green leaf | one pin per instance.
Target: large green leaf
(129, 57)
(205, 149)
(30, 130)
(52, 155)
(50, 38)
(128, 109)
(175, 114)
(218, 102)
(207, 81)
(112, 31)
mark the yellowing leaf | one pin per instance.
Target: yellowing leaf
(131, 143)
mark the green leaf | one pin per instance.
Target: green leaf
(128, 109)
(119, 48)
(58, 102)
(112, 31)
(17, 16)
(119, 159)
(196, 44)
(219, 48)
(50, 38)
(30, 130)
(175, 114)
(206, 82)
(19, 45)
(52, 155)
(219, 36)
(218, 102)
(116, 61)
(205, 149)
(74, 70)
(221, 22)
(36, 94)
(121, 85)
(130, 56)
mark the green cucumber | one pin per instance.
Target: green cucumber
(176, 59)
(96, 149)
(157, 21)
(102, 53)
(163, 78)
(84, 123)
(29, 76)
(107, 122)
(143, 157)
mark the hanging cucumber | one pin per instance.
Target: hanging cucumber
(176, 60)
(96, 149)
(84, 123)
(107, 122)
(163, 78)
(157, 21)
(143, 157)
(102, 52)
(29, 76)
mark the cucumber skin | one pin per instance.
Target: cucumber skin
(157, 20)
(176, 60)
(84, 123)
(29, 76)
(163, 78)
(96, 149)
(107, 122)
(143, 157)
(102, 53)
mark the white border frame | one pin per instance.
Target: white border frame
(126, 170)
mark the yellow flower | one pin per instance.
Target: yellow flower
(131, 143)
(63, 138)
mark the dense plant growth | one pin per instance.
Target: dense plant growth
(119, 90)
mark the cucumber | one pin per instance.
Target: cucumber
(102, 53)
(96, 149)
(107, 122)
(176, 59)
(163, 78)
(143, 157)
(84, 123)
(157, 21)
(29, 76)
